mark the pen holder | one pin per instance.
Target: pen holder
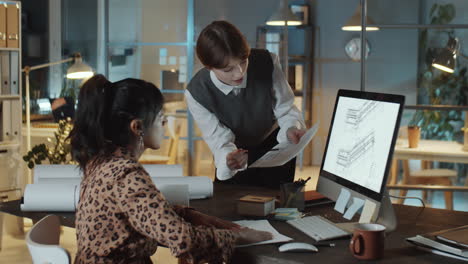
(292, 196)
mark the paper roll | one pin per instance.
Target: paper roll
(176, 194)
(159, 170)
(51, 197)
(200, 187)
(64, 197)
(71, 174)
(63, 174)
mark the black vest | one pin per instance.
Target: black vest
(249, 114)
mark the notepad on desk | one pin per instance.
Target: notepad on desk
(263, 225)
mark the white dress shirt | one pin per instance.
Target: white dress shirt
(220, 138)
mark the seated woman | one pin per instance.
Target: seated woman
(121, 216)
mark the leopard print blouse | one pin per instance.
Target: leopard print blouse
(122, 217)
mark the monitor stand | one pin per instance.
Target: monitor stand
(386, 216)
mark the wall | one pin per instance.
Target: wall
(391, 66)
(245, 14)
(124, 26)
(79, 29)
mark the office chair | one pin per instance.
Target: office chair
(43, 242)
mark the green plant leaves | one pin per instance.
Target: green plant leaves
(57, 154)
(442, 14)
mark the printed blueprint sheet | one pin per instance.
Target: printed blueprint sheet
(284, 152)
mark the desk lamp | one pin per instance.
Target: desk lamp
(447, 58)
(447, 61)
(79, 70)
(283, 16)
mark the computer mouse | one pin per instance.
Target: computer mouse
(297, 247)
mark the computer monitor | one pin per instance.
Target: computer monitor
(359, 148)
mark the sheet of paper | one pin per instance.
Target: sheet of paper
(353, 208)
(284, 152)
(342, 200)
(172, 60)
(369, 212)
(263, 225)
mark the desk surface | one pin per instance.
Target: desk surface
(434, 150)
(412, 221)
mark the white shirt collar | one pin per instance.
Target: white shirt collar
(225, 88)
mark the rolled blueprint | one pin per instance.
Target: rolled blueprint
(64, 197)
(200, 187)
(71, 174)
(159, 170)
(53, 197)
(63, 174)
(176, 194)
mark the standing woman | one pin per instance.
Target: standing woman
(121, 216)
(243, 106)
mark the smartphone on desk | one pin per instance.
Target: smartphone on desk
(313, 198)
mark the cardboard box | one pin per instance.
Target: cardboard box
(255, 205)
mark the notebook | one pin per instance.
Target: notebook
(432, 241)
(456, 236)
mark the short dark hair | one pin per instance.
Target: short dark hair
(220, 41)
(104, 112)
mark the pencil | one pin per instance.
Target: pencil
(324, 244)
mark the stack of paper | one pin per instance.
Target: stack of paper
(263, 225)
(284, 152)
(445, 242)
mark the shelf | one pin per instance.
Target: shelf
(9, 97)
(437, 107)
(9, 144)
(418, 26)
(299, 59)
(289, 27)
(298, 93)
(9, 49)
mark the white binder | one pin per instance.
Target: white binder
(5, 73)
(15, 120)
(14, 73)
(6, 120)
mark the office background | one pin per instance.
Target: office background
(154, 40)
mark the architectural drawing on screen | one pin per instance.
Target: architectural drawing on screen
(347, 157)
(356, 116)
(352, 155)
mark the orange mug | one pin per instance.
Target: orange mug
(368, 241)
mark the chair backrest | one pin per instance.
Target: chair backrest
(174, 145)
(43, 242)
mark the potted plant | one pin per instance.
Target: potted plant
(438, 87)
(59, 153)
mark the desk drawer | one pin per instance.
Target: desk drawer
(10, 195)
(10, 164)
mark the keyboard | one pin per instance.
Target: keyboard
(318, 228)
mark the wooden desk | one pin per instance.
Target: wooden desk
(429, 150)
(412, 221)
(433, 150)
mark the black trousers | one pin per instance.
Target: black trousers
(271, 177)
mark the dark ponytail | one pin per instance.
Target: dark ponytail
(104, 112)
